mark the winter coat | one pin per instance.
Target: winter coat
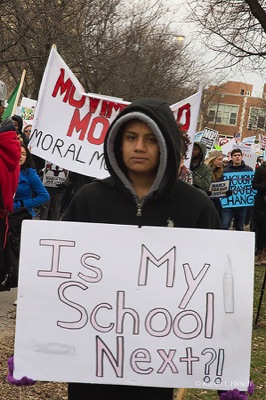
(170, 202)
(240, 168)
(10, 151)
(259, 184)
(202, 173)
(30, 192)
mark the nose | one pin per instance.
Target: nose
(140, 144)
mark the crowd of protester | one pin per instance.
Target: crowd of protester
(21, 184)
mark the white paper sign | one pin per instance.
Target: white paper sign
(143, 306)
(209, 138)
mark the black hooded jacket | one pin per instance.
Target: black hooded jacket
(113, 200)
(170, 202)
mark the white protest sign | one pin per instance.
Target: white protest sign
(27, 107)
(250, 159)
(53, 175)
(262, 141)
(70, 125)
(124, 305)
(219, 188)
(209, 138)
(228, 146)
(223, 141)
(186, 112)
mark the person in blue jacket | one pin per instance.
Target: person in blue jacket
(31, 192)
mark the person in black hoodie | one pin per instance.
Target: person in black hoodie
(142, 152)
(18, 122)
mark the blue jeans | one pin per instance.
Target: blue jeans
(236, 213)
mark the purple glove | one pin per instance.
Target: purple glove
(235, 394)
(251, 388)
(24, 381)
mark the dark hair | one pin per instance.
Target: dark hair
(29, 162)
(236, 151)
(185, 142)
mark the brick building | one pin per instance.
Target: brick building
(230, 109)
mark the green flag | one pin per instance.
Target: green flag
(11, 101)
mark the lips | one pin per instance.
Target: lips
(138, 159)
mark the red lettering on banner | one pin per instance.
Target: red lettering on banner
(73, 102)
(109, 106)
(79, 125)
(69, 89)
(94, 104)
(82, 125)
(184, 109)
(63, 86)
(105, 125)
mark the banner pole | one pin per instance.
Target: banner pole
(181, 393)
(19, 91)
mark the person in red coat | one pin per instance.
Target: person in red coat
(10, 151)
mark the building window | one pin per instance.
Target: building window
(257, 118)
(223, 114)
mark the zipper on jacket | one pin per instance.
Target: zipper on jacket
(140, 203)
(139, 208)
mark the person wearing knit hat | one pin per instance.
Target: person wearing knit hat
(3, 93)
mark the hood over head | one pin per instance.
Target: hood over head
(10, 148)
(203, 149)
(159, 117)
(19, 121)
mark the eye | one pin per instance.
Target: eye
(152, 139)
(131, 137)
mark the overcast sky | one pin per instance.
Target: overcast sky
(182, 27)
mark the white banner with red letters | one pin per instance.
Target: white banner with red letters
(70, 125)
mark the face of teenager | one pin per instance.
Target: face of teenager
(218, 162)
(236, 159)
(23, 156)
(140, 149)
